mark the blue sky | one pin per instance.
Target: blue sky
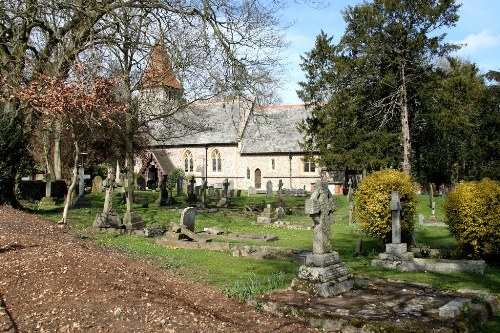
(478, 27)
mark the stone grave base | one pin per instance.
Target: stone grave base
(107, 220)
(183, 244)
(245, 236)
(132, 221)
(323, 275)
(271, 252)
(396, 257)
(378, 305)
(47, 201)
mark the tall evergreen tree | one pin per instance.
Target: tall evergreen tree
(386, 50)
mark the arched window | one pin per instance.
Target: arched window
(248, 173)
(216, 161)
(309, 165)
(273, 164)
(188, 161)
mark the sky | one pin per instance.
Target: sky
(478, 27)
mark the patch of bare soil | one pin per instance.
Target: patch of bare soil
(53, 281)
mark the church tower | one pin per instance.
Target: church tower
(159, 81)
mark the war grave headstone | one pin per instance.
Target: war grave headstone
(323, 273)
(97, 185)
(47, 199)
(81, 201)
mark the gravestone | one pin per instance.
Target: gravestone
(188, 217)
(179, 186)
(231, 193)
(131, 220)
(97, 185)
(191, 188)
(267, 216)
(269, 188)
(251, 191)
(211, 192)
(162, 200)
(323, 273)
(395, 252)
(47, 199)
(225, 187)
(203, 192)
(280, 212)
(280, 186)
(352, 212)
(81, 201)
(238, 193)
(108, 219)
(217, 194)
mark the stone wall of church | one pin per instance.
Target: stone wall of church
(273, 168)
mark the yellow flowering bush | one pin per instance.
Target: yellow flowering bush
(373, 198)
(472, 213)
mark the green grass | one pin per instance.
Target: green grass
(241, 276)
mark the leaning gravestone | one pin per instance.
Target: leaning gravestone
(323, 274)
(188, 216)
(97, 185)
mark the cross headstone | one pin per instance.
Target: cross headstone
(191, 188)
(81, 181)
(350, 191)
(226, 186)
(269, 188)
(396, 217)
(280, 185)
(47, 178)
(323, 273)
(320, 208)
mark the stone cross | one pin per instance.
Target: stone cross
(47, 178)
(192, 181)
(320, 207)
(280, 185)
(396, 217)
(350, 190)
(81, 181)
(226, 186)
(110, 187)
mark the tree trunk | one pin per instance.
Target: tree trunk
(57, 150)
(405, 127)
(47, 145)
(69, 196)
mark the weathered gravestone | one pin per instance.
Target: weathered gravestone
(269, 188)
(191, 188)
(108, 219)
(267, 216)
(188, 217)
(47, 199)
(395, 252)
(323, 274)
(251, 190)
(280, 212)
(97, 185)
(280, 186)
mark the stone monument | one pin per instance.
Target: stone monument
(108, 219)
(47, 199)
(323, 273)
(396, 252)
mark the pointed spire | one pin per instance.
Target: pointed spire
(159, 72)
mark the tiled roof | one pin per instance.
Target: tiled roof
(207, 123)
(159, 72)
(274, 130)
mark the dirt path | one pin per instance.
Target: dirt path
(53, 281)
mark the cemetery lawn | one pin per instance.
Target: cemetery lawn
(243, 277)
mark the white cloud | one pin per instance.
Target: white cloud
(476, 43)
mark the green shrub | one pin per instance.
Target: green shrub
(373, 198)
(472, 212)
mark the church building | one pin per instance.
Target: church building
(217, 140)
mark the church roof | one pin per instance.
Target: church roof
(274, 130)
(207, 123)
(159, 72)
